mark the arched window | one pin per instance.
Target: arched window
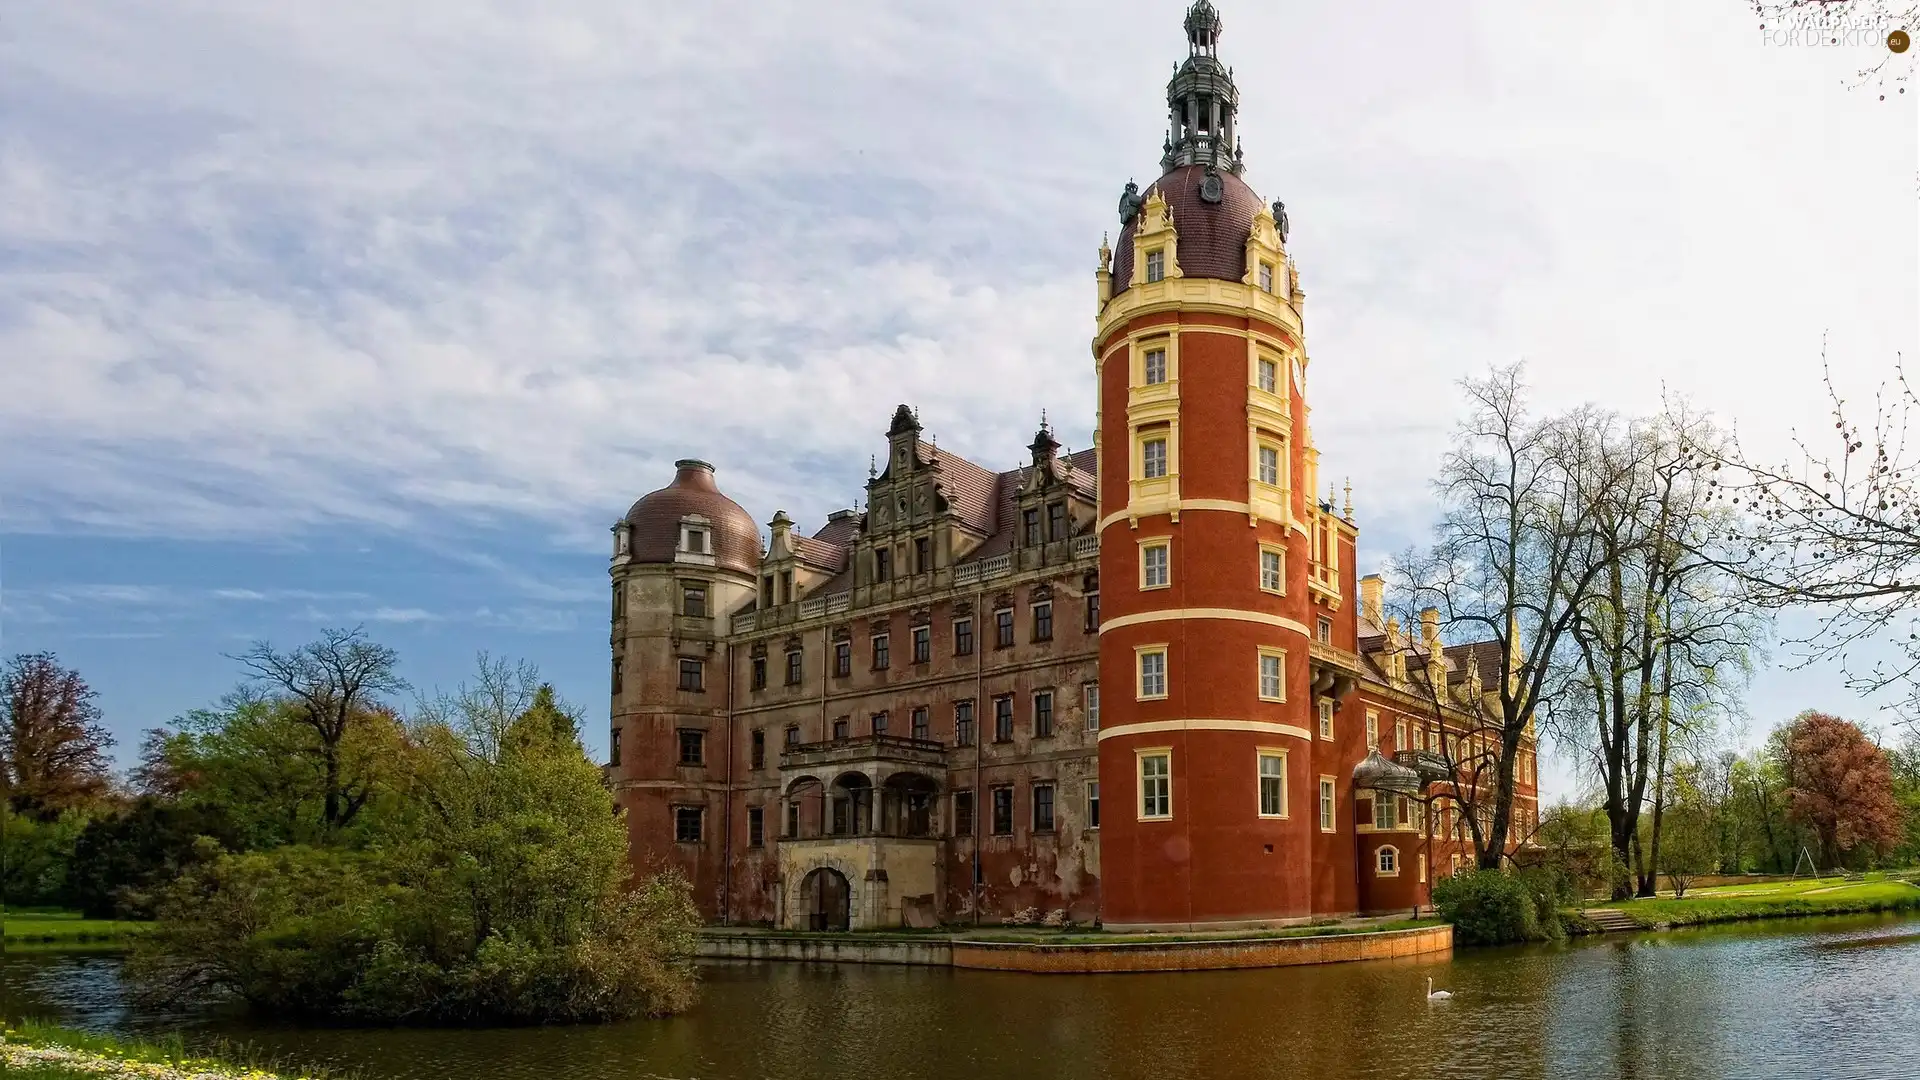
(1387, 862)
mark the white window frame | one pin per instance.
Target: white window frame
(1163, 755)
(1278, 586)
(1382, 801)
(1326, 719)
(1156, 269)
(1373, 729)
(1261, 775)
(1148, 365)
(689, 531)
(1263, 368)
(1141, 654)
(1091, 799)
(1329, 804)
(1278, 690)
(1163, 545)
(1265, 277)
(1386, 861)
(1090, 700)
(1268, 475)
(1148, 462)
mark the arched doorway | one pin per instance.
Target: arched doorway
(825, 892)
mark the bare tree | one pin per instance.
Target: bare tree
(1839, 531)
(52, 746)
(1514, 560)
(1662, 645)
(332, 683)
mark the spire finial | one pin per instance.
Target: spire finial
(1348, 512)
(873, 466)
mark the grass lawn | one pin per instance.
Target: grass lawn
(49, 926)
(1832, 896)
(37, 1051)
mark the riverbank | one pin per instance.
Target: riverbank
(1738, 903)
(1088, 952)
(37, 1051)
(42, 926)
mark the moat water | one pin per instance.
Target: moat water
(1831, 998)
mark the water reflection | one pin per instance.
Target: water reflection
(1840, 998)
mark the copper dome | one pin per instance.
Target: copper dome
(655, 521)
(1213, 236)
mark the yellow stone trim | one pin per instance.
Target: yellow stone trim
(1260, 569)
(1265, 652)
(1185, 294)
(1140, 653)
(1261, 727)
(1225, 505)
(1155, 232)
(1140, 757)
(1230, 614)
(1327, 809)
(1144, 543)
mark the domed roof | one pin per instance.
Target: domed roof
(654, 522)
(1375, 771)
(1213, 235)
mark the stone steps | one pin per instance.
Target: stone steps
(1610, 920)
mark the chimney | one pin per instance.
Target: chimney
(1430, 627)
(1372, 597)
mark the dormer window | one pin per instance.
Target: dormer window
(693, 540)
(1266, 277)
(1156, 265)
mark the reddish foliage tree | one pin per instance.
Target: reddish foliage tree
(1841, 785)
(52, 747)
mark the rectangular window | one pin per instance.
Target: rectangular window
(922, 555)
(882, 564)
(1272, 571)
(1382, 811)
(1093, 804)
(842, 728)
(880, 723)
(1156, 265)
(1400, 734)
(1373, 729)
(922, 644)
(793, 735)
(693, 540)
(1003, 628)
(1268, 374)
(1030, 527)
(1271, 667)
(1266, 277)
(1056, 521)
(756, 827)
(613, 747)
(1269, 465)
(766, 592)
(1043, 714)
(1093, 612)
(793, 667)
(686, 824)
(757, 754)
(693, 600)
(693, 675)
(1091, 694)
(617, 680)
(1273, 784)
(619, 602)
(1153, 459)
(1403, 810)
(963, 813)
(963, 637)
(963, 723)
(921, 729)
(880, 658)
(1326, 630)
(1043, 808)
(1156, 785)
(1003, 718)
(1155, 566)
(1156, 367)
(1326, 719)
(759, 673)
(843, 658)
(1326, 804)
(1003, 811)
(693, 747)
(1043, 621)
(1153, 674)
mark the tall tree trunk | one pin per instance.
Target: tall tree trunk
(1649, 882)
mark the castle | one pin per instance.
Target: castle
(900, 719)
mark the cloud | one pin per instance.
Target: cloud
(451, 266)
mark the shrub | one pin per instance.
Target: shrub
(1491, 907)
(35, 857)
(120, 858)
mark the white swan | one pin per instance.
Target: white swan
(1437, 995)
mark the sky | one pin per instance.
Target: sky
(382, 314)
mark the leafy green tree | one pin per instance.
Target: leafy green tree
(36, 855)
(121, 857)
(501, 893)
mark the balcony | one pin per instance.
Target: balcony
(865, 748)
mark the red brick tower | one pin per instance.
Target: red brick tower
(1217, 563)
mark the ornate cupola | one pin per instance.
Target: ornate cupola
(1201, 100)
(904, 436)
